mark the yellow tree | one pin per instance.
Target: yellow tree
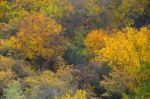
(34, 32)
(126, 52)
(128, 49)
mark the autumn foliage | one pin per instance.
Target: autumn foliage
(33, 34)
(126, 52)
(74, 49)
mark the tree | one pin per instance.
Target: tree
(126, 49)
(33, 35)
(126, 52)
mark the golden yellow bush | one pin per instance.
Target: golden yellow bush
(80, 94)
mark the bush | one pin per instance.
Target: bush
(13, 91)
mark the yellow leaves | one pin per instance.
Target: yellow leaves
(142, 45)
(34, 32)
(120, 52)
(127, 49)
(80, 94)
(95, 40)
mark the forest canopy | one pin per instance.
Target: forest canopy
(74, 49)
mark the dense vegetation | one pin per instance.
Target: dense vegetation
(74, 49)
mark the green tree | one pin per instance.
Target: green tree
(13, 91)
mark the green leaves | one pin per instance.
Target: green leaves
(13, 91)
